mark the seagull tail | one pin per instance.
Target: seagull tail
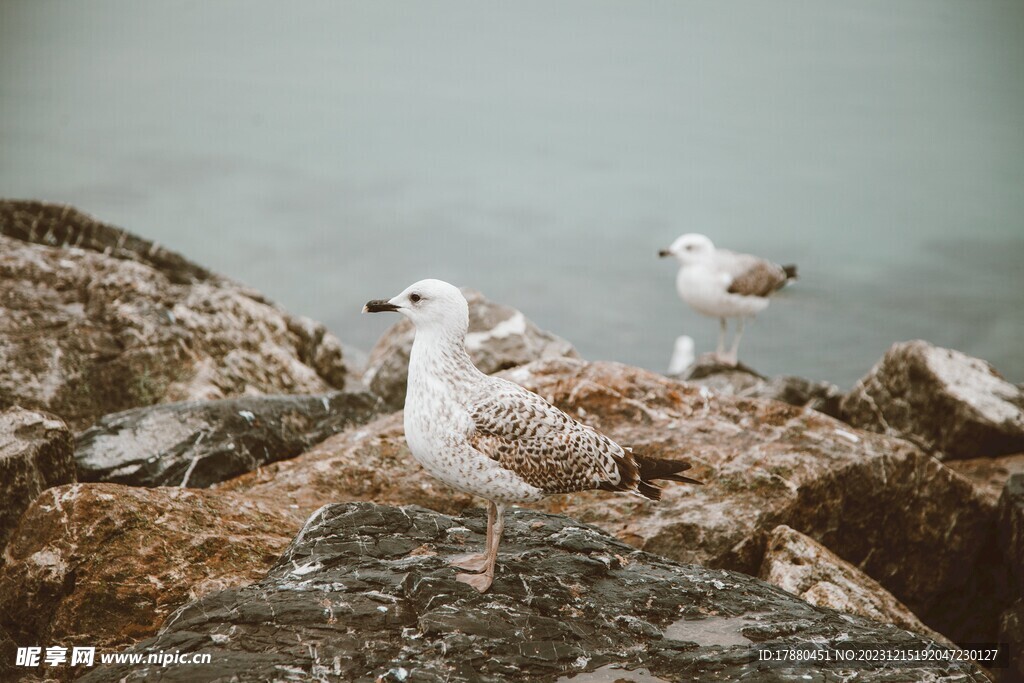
(790, 271)
(651, 469)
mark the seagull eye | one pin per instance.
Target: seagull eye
(415, 298)
(689, 247)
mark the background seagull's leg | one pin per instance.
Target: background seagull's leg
(733, 356)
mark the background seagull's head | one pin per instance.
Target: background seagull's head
(690, 248)
(428, 304)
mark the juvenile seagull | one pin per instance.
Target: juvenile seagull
(489, 437)
(724, 284)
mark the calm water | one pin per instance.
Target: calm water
(328, 153)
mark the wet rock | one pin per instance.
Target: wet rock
(942, 400)
(743, 381)
(989, 475)
(200, 443)
(364, 593)
(103, 564)
(500, 337)
(800, 565)
(94, 320)
(916, 527)
(35, 454)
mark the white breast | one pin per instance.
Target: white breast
(437, 429)
(707, 291)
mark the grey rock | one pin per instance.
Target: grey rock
(944, 401)
(35, 454)
(745, 382)
(500, 337)
(364, 593)
(200, 443)
(94, 320)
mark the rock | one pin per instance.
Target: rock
(916, 527)
(499, 337)
(741, 380)
(800, 565)
(364, 593)
(94, 320)
(989, 475)
(371, 463)
(913, 525)
(200, 443)
(1011, 530)
(103, 564)
(35, 454)
(942, 400)
(8, 657)
(1011, 631)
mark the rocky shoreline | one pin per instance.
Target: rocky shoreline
(169, 439)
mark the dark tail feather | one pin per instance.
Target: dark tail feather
(651, 469)
(790, 271)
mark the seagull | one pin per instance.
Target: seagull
(723, 284)
(492, 438)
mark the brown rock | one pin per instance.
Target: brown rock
(942, 400)
(370, 463)
(901, 516)
(989, 475)
(500, 337)
(36, 453)
(1011, 530)
(799, 564)
(94, 320)
(1011, 631)
(103, 564)
(743, 381)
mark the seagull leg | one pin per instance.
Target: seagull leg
(733, 357)
(722, 330)
(483, 581)
(477, 562)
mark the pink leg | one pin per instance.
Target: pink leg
(483, 581)
(477, 562)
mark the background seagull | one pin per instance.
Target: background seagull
(493, 438)
(724, 284)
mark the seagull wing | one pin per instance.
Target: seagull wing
(750, 275)
(545, 447)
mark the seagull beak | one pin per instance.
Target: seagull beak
(664, 252)
(379, 306)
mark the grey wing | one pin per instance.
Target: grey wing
(544, 446)
(751, 276)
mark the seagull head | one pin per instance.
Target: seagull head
(690, 248)
(428, 304)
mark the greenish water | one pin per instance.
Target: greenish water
(328, 153)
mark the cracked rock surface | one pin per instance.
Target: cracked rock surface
(94, 320)
(943, 400)
(363, 593)
(200, 443)
(35, 454)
